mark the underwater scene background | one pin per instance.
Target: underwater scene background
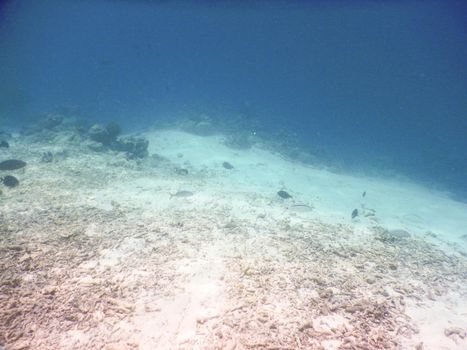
(233, 175)
(362, 84)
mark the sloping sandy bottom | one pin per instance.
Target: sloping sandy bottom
(96, 252)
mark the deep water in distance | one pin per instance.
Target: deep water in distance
(369, 86)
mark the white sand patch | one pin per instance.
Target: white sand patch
(114, 256)
(442, 323)
(171, 322)
(397, 204)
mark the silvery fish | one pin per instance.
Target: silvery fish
(182, 194)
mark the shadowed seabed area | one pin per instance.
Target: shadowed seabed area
(195, 226)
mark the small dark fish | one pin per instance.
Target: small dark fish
(354, 213)
(284, 194)
(4, 144)
(227, 165)
(10, 181)
(364, 194)
(182, 194)
(12, 164)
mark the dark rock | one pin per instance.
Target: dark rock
(113, 130)
(134, 146)
(10, 181)
(284, 194)
(12, 164)
(104, 134)
(227, 165)
(99, 133)
(4, 144)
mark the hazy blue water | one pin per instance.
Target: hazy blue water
(367, 83)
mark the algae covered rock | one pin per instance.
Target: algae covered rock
(98, 133)
(105, 134)
(133, 146)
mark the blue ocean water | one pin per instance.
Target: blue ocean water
(368, 86)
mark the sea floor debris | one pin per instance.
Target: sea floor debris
(89, 264)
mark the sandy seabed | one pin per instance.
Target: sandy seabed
(96, 252)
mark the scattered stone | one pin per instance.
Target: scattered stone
(4, 144)
(10, 181)
(227, 165)
(283, 194)
(305, 326)
(455, 331)
(12, 164)
(354, 213)
(134, 146)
